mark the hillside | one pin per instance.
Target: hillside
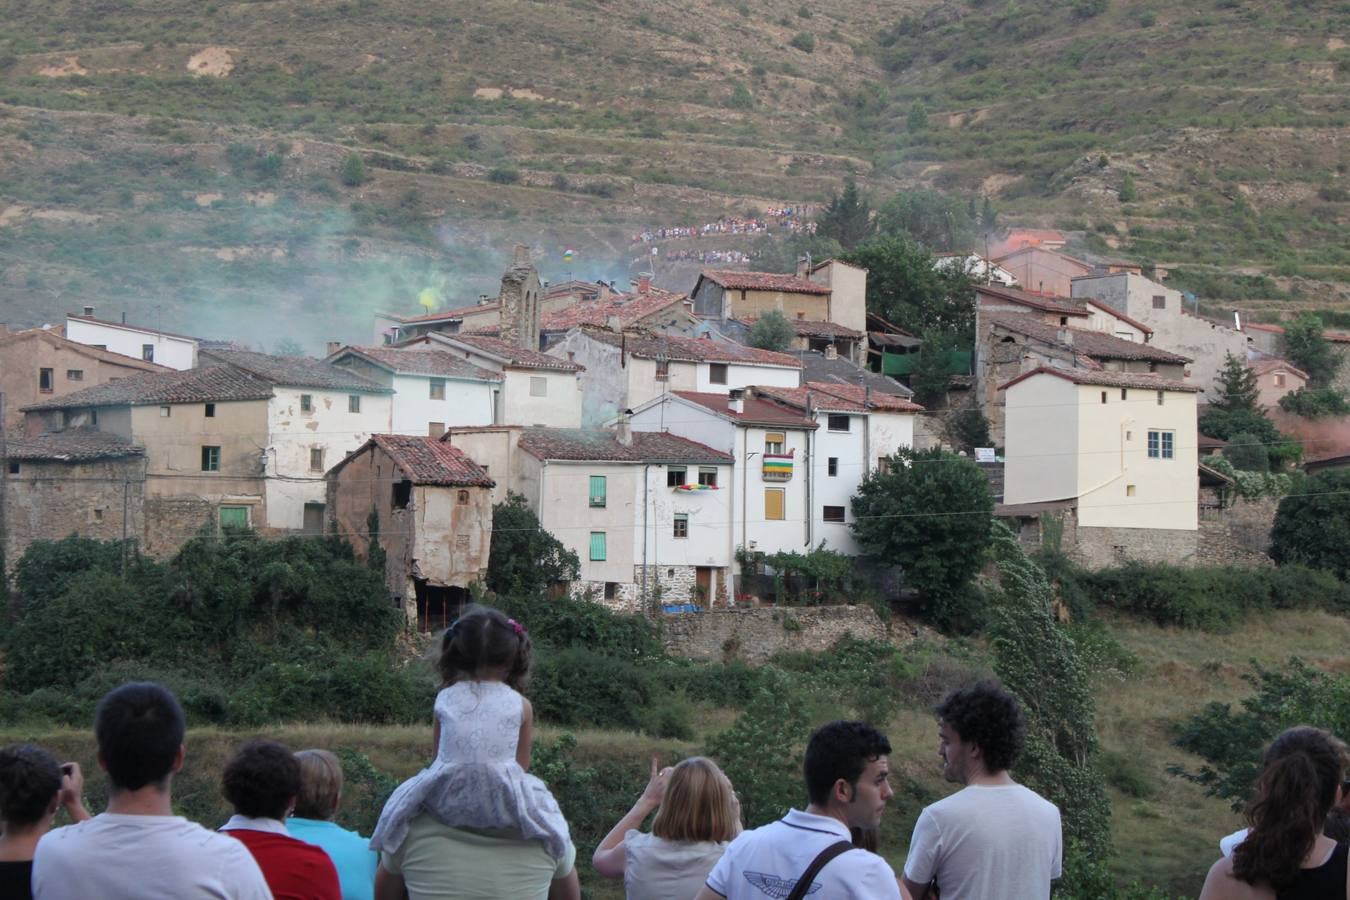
(180, 160)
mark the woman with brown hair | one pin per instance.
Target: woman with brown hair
(1285, 854)
(697, 815)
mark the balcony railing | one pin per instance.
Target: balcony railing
(777, 466)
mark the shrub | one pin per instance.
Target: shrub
(804, 41)
(577, 687)
(1315, 403)
(504, 175)
(761, 752)
(569, 622)
(1247, 452)
(771, 331)
(353, 171)
(1313, 527)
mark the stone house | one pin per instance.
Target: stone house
(177, 351)
(39, 364)
(1274, 379)
(831, 291)
(648, 514)
(649, 308)
(82, 482)
(428, 507)
(536, 388)
(433, 389)
(1044, 271)
(1205, 341)
(624, 371)
(1117, 450)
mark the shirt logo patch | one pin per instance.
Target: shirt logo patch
(773, 886)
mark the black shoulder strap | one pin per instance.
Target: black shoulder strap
(822, 858)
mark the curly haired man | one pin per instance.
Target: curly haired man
(994, 839)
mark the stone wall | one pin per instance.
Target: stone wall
(1100, 548)
(50, 500)
(755, 635)
(172, 521)
(1238, 535)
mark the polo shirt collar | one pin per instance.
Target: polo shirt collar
(246, 823)
(797, 818)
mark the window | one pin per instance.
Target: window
(353, 403)
(717, 373)
(435, 429)
(675, 476)
(98, 515)
(597, 490)
(1160, 398)
(611, 590)
(834, 514)
(46, 377)
(775, 443)
(1279, 380)
(462, 498)
(210, 410)
(832, 466)
(1103, 396)
(402, 494)
(1129, 490)
(312, 523)
(662, 370)
(838, 423)
(165, 411)
(538, 386)
(1124, 394)
(78, 375)
(707, 477)
(306, 403)
(210, 459)
(233, 517)
(316, 459)
(1159, 301)
(1064, 320)
(437, 389)
(1161, 444)
(597, 546)
(775, 502)
(14, 467)
(681, 525)
(148, 352)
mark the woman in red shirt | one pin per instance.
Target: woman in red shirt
(261, 781)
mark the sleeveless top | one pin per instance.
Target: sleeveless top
(1326, 882)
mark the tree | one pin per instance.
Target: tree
(1237, 385)
(1313, 526)
(929, 512)
(1247, 452)
(988, 215)
(772, 331)
(848, 218)
(967, 428)
(525, 558)
(774, 254)
(1307, 347)
(930, 218)
(917, 120)
(904, 287)
(931, 377)
(353, 171)
(1128, 192)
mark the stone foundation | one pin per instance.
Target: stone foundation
(1238, 535)
(755, 635)
(170, 522)
(1102, 548)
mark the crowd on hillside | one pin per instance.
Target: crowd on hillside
(476, 824)
(788, 218)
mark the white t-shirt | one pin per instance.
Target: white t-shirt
(1228, 844)
(988, 843)
(114, 856)
(657, 869)
(768, 861)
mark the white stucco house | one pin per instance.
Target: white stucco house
(433, 389)
(536, 388)
(176, 351)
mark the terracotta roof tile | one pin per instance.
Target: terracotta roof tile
(603, 446)
(875, 399)
(1144, 380)
(629, 309)
(1336, 337)
(646, 345)
(1065, 306)
(295, 371)
(429, 460)
(755, 411)
(1093, 344)
(514, 356)
(764, 281)
(807, 398)
(1266, 366)
(423, 360)
(211, 384)
(75, 445)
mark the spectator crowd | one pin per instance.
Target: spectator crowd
(785, 218)
(475, 823)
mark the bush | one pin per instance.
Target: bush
(568, 622)
(1247, 452)
(504, 175)
(761, 753)
(577, 687)
(771, 331)
(804, 41)
(1315, 403)
(353, 171)
(1313, 527)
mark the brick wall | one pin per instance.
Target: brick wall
(755, 635)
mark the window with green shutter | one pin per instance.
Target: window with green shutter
(597, 546)
(234, 517)
(597, 490)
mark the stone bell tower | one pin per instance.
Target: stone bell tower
(519, 299)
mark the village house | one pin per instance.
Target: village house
(624, 371)
(648, 308)
(1205, 342)
(1269, 339)
(433, 389)
(1040, 270)
(176, 351)
(1274, 379)
(976, 267)
(831, 291)
(648, 514)
(1113, 454)
(1019, 238)
(38, 364)
(536, 388)
(429, 509)
(82, 482)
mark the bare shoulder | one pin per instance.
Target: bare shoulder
(1221, 885)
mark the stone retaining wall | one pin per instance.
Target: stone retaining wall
(755, 635)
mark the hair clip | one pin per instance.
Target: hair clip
(516, 627)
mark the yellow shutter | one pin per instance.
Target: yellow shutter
(773, 504)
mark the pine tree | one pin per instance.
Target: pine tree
(848, 218)
(1237, 385)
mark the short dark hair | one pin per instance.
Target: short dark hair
(840, 750)
(30, 779)
(139, 727)
(990, 718)
(261, 779)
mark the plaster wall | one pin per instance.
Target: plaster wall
(558, 407)
(1040, 445)
(709, 535)
(688, 421)
(848, 293)
(837, 490)
(496, 451)
(757, 532)
(22, 359)
(740, 375)
(561, 499)
(174, 352)
(466, 402)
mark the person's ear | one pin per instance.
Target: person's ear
(177, 758)
(54, 805)
(102, 763)
(842, 791)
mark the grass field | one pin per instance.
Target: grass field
(1166, 830)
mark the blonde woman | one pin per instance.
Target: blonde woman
(697, 815)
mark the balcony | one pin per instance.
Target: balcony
(777, 466)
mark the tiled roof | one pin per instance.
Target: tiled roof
(604, 446)
(1053, 251)
(1062, 305)
(818, 367)
(76, 445)
(445, 315)
(1144, 380)
(51, 337)
(1266, 366)
(1112, 311)
(515, 356)
(295, 371)
(646, 345)
(875, 399)
(420, 359)
(1336, 337)
(755, 411)
(429, 460)
(211, 384)
(1094, 344)
(629, 309)
(764, 281)
(817, 328)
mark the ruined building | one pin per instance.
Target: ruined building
(518, 300)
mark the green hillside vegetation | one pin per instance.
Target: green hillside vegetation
(184, 161)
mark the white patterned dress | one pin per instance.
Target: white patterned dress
(475, 781)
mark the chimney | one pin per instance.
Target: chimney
(644, 282)
(520, 256)
(484, 299)
(831, 352)
(736, 400)
(624, 431)
(613, 323)
(334, 346)
(604, 292)
(88, 312)
(804, 265)
(1065, 336)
